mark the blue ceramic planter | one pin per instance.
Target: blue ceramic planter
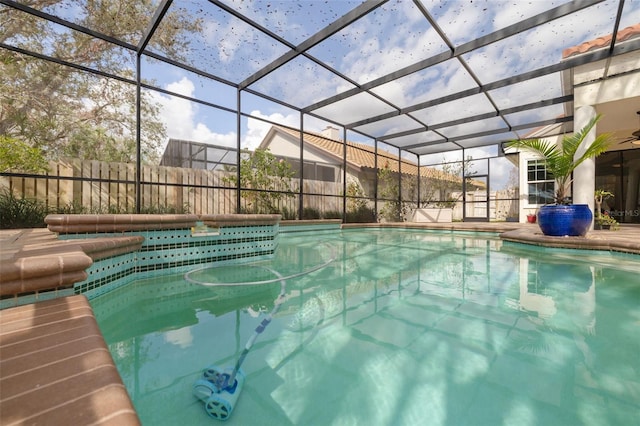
(571, 220)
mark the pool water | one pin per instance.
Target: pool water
(398, 328)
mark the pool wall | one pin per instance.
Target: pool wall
(178, 250)
(162, 243)
(200, 240)
(93, 254)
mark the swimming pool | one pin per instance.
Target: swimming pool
(403, 327)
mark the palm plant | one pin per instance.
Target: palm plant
(560, 159)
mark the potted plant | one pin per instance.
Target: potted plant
(531, 217)
(564, 218)
(599, 196)
(604, 221)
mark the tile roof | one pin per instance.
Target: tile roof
(602, 42)
(363, 156)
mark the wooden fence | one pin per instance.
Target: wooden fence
(101, 187)
(77, 186)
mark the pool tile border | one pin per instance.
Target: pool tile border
(94, 254)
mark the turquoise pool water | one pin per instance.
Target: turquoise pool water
(402, 328)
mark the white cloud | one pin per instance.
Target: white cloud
(379, 49)
(257, 129)
(539, 46)
(501, 174)
(314, 124)
(515, 11)
(285, 83)
(179, 117)
(224, 37)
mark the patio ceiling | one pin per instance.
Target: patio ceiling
(425, 76)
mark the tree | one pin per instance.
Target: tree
(443, 187)
(388, 190)
(355, 197)
(66, 112)
(358, 210)
(265, 180)
(16, 155)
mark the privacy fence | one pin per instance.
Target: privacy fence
(76, 186)
(97, 186)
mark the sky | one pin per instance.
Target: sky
(391, 37)
(371, 48)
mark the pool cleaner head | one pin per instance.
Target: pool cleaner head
(219, 389)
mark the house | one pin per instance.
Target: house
(610, 87)
(323, 153)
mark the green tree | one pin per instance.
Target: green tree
(561, 159)
(443, 187)
(18, 156)
(261, 172)
(358, 210)
(355, 197)
(389, 190)
(66, 112)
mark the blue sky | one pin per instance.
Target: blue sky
(393, 36)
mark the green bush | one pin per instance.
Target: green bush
(288, 214)
(184, 209)
(73, 208)
(21, 212)
(266, 181)
(30, 213)
(363, 214)
(17, 155)
(332, 214)
(310, 213)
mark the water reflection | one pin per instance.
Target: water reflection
(562, 295)
(454, 318)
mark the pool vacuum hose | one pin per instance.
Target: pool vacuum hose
(219, 388)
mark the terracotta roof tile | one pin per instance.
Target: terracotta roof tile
(363, 156)
(601, 42)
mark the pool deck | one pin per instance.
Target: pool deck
(626, 239)
(55, 367)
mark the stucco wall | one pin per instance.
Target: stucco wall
(591, 91)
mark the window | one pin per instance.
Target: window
(313, 170)
(540, 182)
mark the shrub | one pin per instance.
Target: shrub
(332, 215)
(288, 214)
(310, 213)
(17, 155)
(21, 212)
(74, 207)
(158, 209)
(77, 208)
(363, 214)
(265, 179)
